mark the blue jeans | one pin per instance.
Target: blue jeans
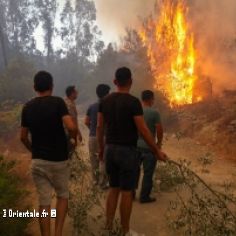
(149, 161)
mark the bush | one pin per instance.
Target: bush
(11, 198)
(9, 117)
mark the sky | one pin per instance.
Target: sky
(113, 16)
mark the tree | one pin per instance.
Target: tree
(67, 29)
(2, 35)
(18, 20)
(88, 44)
(3, 45)
(47, 15)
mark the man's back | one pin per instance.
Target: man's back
(43, 117)
(152, 118)
(119, 110)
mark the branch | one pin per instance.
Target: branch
(204, 183)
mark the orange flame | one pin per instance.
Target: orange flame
(171, 52)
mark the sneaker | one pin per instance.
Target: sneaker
(148, 200)
(133, 233)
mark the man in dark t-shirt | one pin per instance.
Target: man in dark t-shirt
(98, 170)
(43, 119)
(122, 115)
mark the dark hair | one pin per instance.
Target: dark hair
(123, 76)
(102, 90)
(147, 95)
(43, 81)
(70, 90)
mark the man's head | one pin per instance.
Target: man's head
(43, 82)
(148, 97)
(71, 92)
(123, 78)
(102, 90)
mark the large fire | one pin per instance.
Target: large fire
(170, 49)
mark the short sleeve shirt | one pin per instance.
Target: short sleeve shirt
(119, 110)
(43, 117)
(152, 118)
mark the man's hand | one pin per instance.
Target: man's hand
(73, 143)
(161, 155)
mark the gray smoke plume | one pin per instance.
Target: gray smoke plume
(116, 15)
(214, 25)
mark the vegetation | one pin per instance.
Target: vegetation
(86, 204)
(84, 196)
(11, 198)
(9, 117)
(198, 208)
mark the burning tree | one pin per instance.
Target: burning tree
(170, 49)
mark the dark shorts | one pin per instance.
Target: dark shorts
(122, 164)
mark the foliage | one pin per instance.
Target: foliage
(84, 196)
(16, 81)
(9, 117)
(86, 200)
(200, 209)
(11, 198)
(168, 177)
(47, 16)
(18, 22)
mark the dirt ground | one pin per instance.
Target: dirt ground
(147, 219)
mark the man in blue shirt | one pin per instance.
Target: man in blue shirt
(91, 122)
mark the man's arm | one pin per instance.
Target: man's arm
(148, 138)
(24, 136)
(100, 134)
(71, 127)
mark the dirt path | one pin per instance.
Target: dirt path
(150, 219)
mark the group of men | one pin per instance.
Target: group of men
(123, 133)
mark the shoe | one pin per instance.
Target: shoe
(148, 200)
(133, 233)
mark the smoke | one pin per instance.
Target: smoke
(113, 16)
(214, 25)
(212, 21)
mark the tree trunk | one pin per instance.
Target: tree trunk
(3, 46)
